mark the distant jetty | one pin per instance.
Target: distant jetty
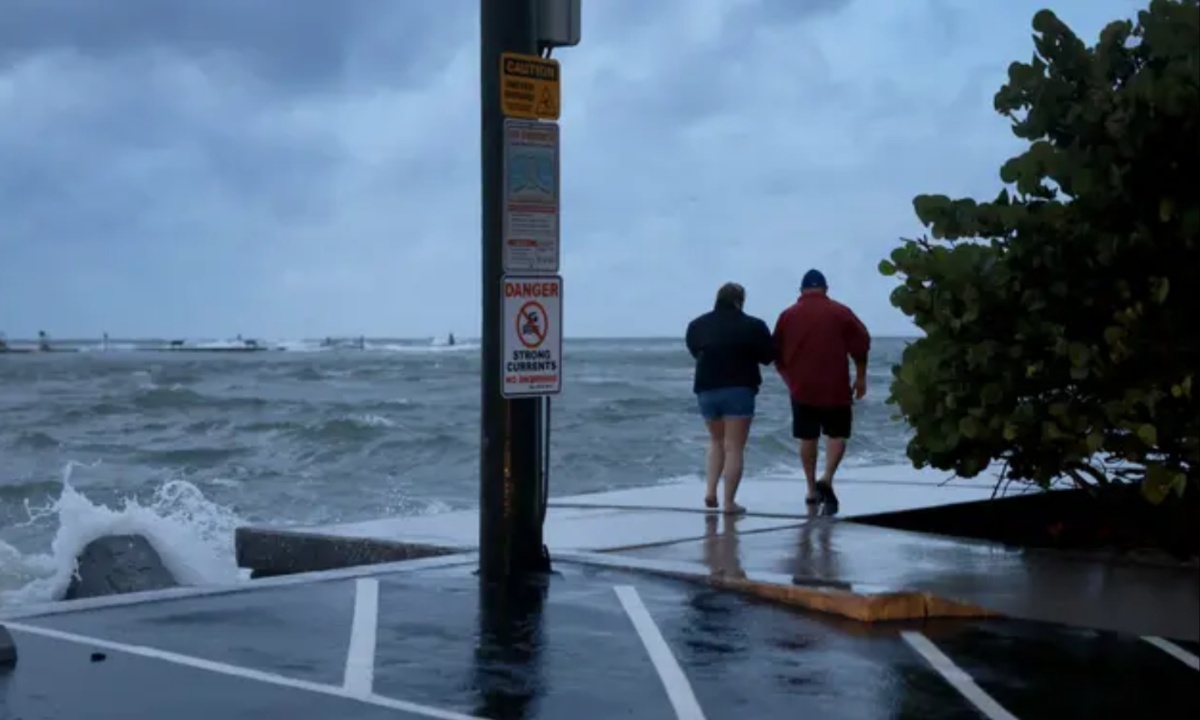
(43, 346)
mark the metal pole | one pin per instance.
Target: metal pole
(510, 530)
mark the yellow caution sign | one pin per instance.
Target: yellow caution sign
(529, 87)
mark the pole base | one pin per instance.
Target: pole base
(8, 649)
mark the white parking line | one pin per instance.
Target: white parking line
(679, 689)
(958, 679)
(1175, 651)
(360, 656)
(240, 672)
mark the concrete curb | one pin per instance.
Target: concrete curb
(863, 607)
(61, 607)
(270, 552)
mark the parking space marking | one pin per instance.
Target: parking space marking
(1175, 651)
(360, 656)
(679, 689)
(240, 672)
(958, 679)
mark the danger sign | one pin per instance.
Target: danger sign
(532, 336)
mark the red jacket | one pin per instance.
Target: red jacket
(813, 340)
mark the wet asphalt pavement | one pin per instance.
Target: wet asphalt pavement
(567, 649)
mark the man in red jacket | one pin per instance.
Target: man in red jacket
(813, 339)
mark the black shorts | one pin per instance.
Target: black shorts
(810, 422)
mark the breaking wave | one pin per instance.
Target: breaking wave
(193, 535)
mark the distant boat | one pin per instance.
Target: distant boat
(450, 340)
(358, 343)
(243, 346)
(45, 346)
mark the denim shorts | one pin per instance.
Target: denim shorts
(730, 402)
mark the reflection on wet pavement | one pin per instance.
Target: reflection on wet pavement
(1032, 585)
(721, 545)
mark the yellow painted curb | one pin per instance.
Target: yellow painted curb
(863, 607)
(836, 598)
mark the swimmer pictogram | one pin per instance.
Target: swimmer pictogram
(532, 324)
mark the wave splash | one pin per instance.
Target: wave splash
(193, 535)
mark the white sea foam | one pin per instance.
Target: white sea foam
(193, 535)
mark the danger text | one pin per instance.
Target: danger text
(530, 289)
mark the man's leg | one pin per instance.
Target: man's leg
(836, 424)
(806, 428)
(808, 460)
(835, 450)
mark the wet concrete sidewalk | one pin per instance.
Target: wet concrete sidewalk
(597, 521)
(880, 573)
(420, 639)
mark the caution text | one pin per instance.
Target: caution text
(531, 68)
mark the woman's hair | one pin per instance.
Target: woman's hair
(731, 294)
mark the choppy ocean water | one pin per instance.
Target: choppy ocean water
(185, 447)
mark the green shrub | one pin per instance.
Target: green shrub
(1062, 319)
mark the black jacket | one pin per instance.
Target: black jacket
(728, 345)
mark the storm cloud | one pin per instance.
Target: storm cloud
(289, 169)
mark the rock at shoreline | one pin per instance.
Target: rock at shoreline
(118, 564)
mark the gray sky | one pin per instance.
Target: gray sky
(284, 169)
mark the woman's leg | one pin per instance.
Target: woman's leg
(737, 430)
(715, 460)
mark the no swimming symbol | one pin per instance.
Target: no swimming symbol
(532, 324)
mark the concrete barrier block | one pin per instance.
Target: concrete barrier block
(273, 552)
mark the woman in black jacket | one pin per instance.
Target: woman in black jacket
(729, 346)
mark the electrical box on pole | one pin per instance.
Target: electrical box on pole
(559, 23)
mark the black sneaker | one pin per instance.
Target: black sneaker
(828, 498)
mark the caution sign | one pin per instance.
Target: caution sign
(529, 87)
(532, 336)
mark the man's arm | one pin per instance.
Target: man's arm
(858, 345)
(777, 343)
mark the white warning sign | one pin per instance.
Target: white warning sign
(532, 336)
(531, 190)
